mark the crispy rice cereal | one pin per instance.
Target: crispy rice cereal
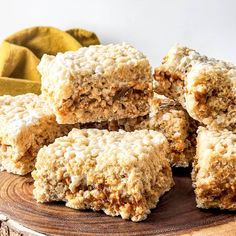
(206, 87)
(97, 83)
(26, 125)
(214, 175)
(121, 173)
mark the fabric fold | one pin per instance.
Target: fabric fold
(21, 52)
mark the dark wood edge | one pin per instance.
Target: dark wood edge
(223, 228)
(11, 227)
(227, 227)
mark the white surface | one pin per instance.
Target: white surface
(153, 26)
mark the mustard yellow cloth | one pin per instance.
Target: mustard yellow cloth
(20, 54)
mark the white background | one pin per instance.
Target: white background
(153, 26)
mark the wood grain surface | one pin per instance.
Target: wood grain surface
(176, 214)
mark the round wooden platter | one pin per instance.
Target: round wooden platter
(176, 214)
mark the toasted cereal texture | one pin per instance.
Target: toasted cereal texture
(204, 86)
(121, 173)
(214, 176)
(127, 124)
(97, 83)
(173, 121)
(26, 125)
(167, 117)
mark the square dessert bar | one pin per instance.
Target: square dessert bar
(97, 83)
(173, 121)
(167, 117)
(214, 170)
(26, 125)
(204, 86)
(121, 173)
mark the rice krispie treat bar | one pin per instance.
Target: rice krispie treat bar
(26, 125)
(121, 173)
(167, 117)
(214, 170)
(204, 86)
(173, 121)
(97, 83)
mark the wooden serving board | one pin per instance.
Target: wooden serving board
(176, 214)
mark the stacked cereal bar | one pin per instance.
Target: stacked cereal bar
(121, 173)
(174, 122)
(97, 83)
(206, 87)
(214, 171)
(165, 116)
(26, 125)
